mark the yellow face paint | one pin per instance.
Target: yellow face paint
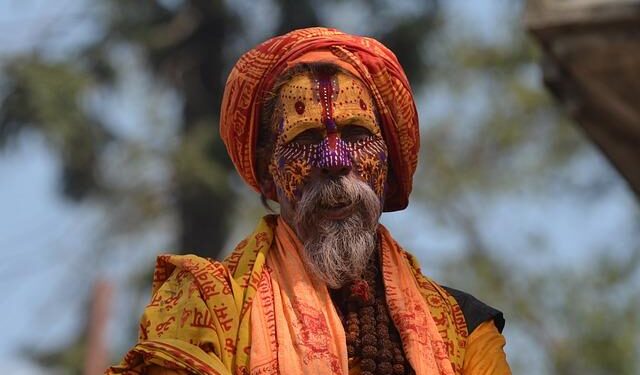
(303, 106)
(339, 113)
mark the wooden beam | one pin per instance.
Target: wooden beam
(591, 64)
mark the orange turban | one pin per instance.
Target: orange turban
(256, 72)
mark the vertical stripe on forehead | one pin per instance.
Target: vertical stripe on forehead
(327, 89)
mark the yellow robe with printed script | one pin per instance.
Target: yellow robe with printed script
(199, 318)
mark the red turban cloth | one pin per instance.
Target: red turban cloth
(257, 70)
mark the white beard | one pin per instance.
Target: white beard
(337, 251)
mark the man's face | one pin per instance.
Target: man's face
(326, 128)
(329, 168)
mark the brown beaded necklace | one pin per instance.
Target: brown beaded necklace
(372, 338)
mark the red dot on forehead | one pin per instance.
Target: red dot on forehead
(363, 105)
(299, 107)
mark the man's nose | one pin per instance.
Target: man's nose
(336, 170)
(333, 158)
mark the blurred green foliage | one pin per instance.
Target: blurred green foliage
(576, 320)
(46, 97)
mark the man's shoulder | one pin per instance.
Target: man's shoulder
(247, 259)
(167, 263)
(187, 268)
(475, 311)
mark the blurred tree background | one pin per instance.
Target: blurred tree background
(494, 148)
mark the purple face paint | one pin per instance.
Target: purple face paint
(325, 105)
(333, 152)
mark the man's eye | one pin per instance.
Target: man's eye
(354, 133)
(308, 137)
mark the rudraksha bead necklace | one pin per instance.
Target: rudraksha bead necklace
(371, 335)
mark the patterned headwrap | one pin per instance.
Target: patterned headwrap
(256, 72)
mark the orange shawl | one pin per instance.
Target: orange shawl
(258, 312)
(310, 336)
(255, 73)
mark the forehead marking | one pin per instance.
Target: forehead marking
(327, 87)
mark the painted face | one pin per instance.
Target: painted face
(327, 123)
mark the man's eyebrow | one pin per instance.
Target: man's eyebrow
(360, 120)
(306, 124)
(363, 121)
(301, 126)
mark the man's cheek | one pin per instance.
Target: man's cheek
(371, 165)
(290, 169)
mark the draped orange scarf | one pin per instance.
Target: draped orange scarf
(310, 336)
(259, 312)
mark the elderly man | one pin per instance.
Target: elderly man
(324, 123)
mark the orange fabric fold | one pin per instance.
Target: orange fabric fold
(296, 329)
(259, 312)
(422, 343)
(310, 336)
(485, 353)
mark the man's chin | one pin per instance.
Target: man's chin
(339, 255)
